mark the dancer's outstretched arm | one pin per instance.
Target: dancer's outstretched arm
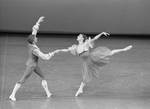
(90, 41)
(99, 35)
(63, 50)
(120, 50)
(43, 56)
(72, 49)
(35, 28)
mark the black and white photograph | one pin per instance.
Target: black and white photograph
(74, 54)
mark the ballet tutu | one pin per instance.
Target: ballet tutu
(93, 61)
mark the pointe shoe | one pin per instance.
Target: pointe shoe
(128, 48)
(78, 92)
(12, 98)
(49, 95)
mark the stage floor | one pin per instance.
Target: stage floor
(122, 84)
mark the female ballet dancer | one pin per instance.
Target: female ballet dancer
(92, 61)
(32, 63)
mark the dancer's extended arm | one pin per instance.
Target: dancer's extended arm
(72, 49)
(90, 41)
(41, 55)
(35, 28)
(63, 50)
(99, 35)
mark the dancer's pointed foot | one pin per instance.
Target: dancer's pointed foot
(128, 48)
(12, 98)
(78, 92)
(49, 95)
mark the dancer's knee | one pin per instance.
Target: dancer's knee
(22, 81)
(43, 78)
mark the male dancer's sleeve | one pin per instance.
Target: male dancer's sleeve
(41, 55)
(35, 29)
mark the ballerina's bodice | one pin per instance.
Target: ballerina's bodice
(84, 55)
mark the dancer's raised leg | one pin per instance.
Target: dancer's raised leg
(120, 50)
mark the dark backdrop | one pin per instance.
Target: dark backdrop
(113, 16)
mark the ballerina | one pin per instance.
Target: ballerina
(92, 61)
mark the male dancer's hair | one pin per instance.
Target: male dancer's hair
(30, 38)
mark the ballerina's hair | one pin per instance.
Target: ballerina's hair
(30, 38)
(85, 37)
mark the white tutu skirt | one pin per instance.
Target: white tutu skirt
(93, 61)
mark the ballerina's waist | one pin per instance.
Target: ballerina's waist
(82, 52)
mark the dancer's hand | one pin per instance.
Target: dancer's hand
(41, 19)
(51, 54)
(56, 51)
(104, 33)
(128, 48)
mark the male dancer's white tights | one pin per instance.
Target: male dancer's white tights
(18, 85)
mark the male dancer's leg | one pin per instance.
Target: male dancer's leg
(26, 75)
(38, 71)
